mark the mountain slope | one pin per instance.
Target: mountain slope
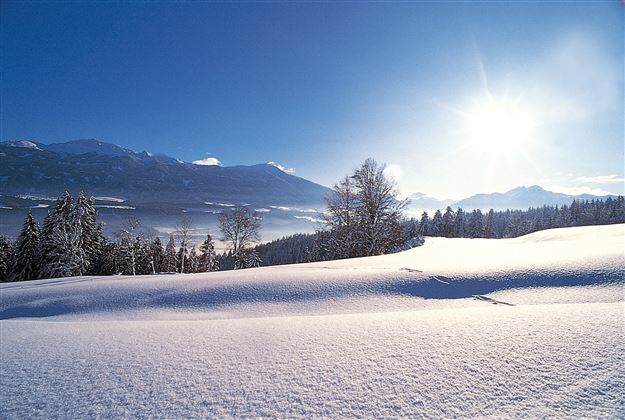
(105, 169)
(520, 198)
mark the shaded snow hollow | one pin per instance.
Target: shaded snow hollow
(531, 326)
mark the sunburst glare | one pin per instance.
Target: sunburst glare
(499, 128)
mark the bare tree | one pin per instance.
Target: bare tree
(341, 218)
(241, 228)
(379, 209)
(363, 214)
(183, 230)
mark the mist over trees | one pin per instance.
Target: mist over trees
(363, 218)
(70, 243)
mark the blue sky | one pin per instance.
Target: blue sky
(457, 98)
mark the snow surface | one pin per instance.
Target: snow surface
(529, 327)
(25, 144)
(110, 199)
(110, 206)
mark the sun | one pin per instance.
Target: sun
(499, 127)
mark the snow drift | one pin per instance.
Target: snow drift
(531, 326)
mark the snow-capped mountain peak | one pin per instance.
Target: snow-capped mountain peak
(25, 144)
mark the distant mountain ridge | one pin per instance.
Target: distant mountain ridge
(517, 198)
(101, 168)
(84, 146)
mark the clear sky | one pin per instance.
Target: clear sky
(458, 98)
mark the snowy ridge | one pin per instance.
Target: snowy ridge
(440, 269)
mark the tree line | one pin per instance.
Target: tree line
(70, 243)
(363, 217)
(325, 244)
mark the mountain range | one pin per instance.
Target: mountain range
(100, 168)
(517, 198)
(105, 169)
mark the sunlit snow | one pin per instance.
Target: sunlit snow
(525, 327)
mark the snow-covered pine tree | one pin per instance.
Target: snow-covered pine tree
(193, 261)
(58, 218)
(410, 229)
(447, 228)
(157, 255)
(459, 224)
(26, 263)
(475, 224)
(6, 258)
(490, 229)
(127, 246)
(143, 255)
(170, 260)
(63, 254)
(208, 259)
(425, 224)
(247, 258)
(110, 260)
(91, 237)
(437, 224)
(98, 259)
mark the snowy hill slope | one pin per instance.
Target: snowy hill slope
(455, 328)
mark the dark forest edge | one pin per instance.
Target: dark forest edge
(362, 218)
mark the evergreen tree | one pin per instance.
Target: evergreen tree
(447, 228)
(207, 259)
(91, 233)
(248, 258)
(128, 246)
(62, 250)
(157, 255)
(459, 224)
(192, 261)
(425, 225)
(6, 254)
(143, 255)
(410, 229)
(52, 248)
(437, 224)
(26, 263)
(475, 224)
(489, 226)
(112, 261)
(170, 260)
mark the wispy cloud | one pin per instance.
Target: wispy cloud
(209, 161)
(602, 179)
(282, 168)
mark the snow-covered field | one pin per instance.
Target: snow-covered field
(525, 327)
